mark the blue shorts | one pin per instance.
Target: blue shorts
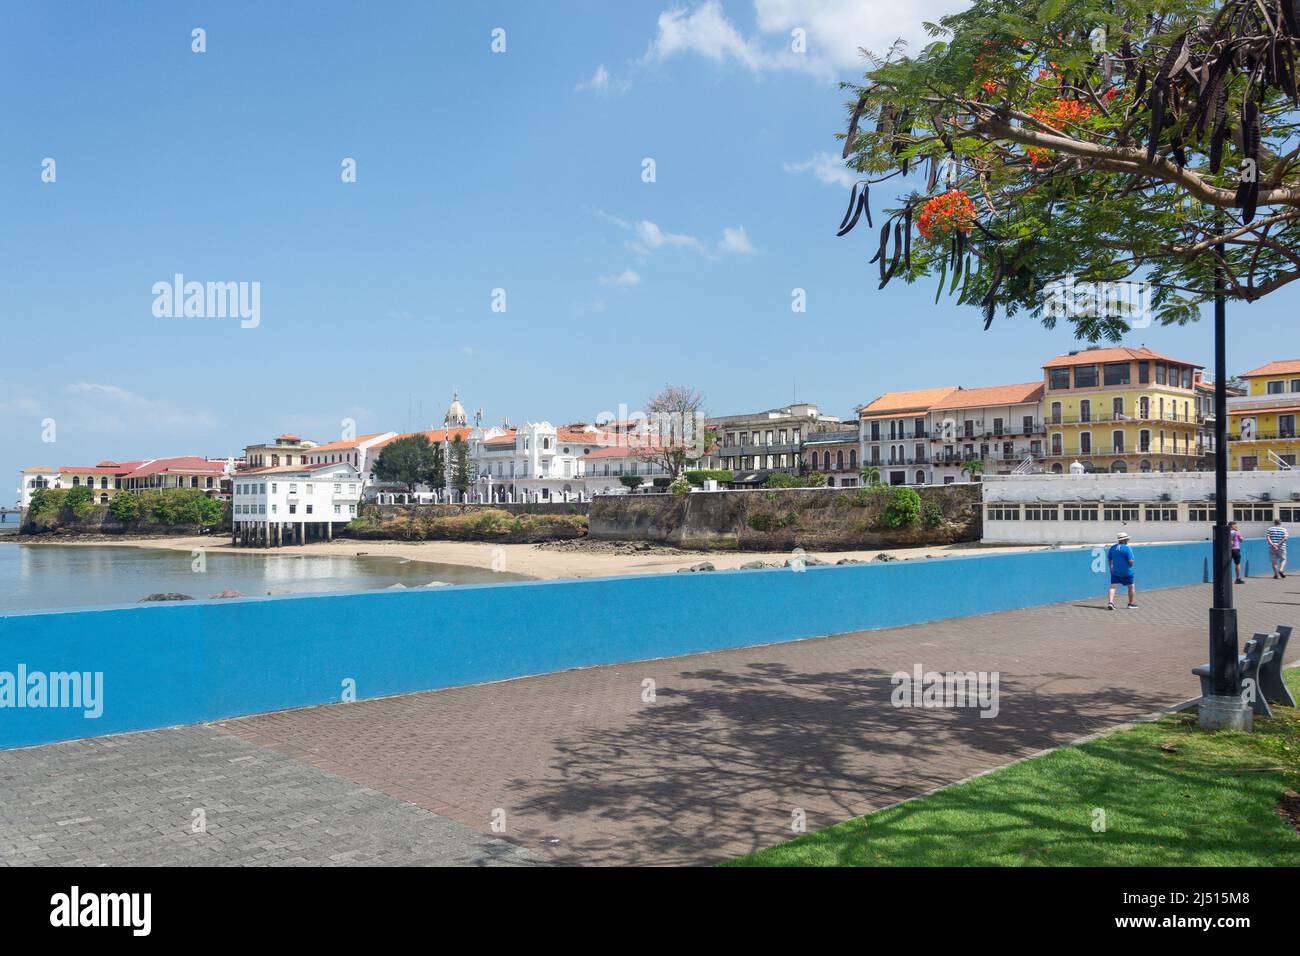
(1124, 579)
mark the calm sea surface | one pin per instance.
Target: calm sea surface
(35, 577)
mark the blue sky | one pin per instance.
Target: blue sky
(476, 170)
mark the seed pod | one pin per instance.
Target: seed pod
(907, 238)
(853, 125)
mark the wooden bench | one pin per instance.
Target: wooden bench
(1261, 669)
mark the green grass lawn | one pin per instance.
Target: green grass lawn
(1172, 796)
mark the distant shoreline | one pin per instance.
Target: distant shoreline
(581, 559)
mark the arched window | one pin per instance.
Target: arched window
(839, 460)
(1118, 467)
(853, 459)
(1144, 465)
(1056, 469)
(920, 477)
(1117, 442)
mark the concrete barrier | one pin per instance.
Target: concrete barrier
(170, 664)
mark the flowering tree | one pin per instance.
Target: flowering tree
(1088, 140)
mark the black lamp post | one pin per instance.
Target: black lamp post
(1224, 709)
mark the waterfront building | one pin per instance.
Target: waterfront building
(894, 432)
(834, 453)
(767, 441)
(1000, 426)
(424, 494)
(355, 451)
(603, 470)
(285, 450)
(32, 480)
(539, 461)
(1121, 410)
(1262, 423)
(1092, 508)
(211, 476)
(104, 480)
(287, 504)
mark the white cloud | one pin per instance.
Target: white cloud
(706, 31)
(599, 81)
(649, 237)
(736, 240)
(626, 278)
(827, 167)
(116, 409)
(468, 350)
(835, 30)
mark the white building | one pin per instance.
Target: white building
(1151, 506)
(537, 462)
(1000, 426)
(293, 503)
(353, 451)
(604, 469)
(32, 480)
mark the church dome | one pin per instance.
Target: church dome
(455, 417)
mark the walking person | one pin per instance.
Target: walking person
(1277, 536)
(1235, 539)
(1120, 561)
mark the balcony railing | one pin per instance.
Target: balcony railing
(1267, 436)
(1110, 418)
(1108, 452)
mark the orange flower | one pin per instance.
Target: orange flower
(946, 212)
(1060, 112)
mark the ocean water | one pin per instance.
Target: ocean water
(35, 577)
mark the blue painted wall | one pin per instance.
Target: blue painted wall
(183, 663)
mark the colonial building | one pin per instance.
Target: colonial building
(603, 470)
(1262, 423)
(1093, 508)
(895, 434)
(834, 453)
(293, 503)
(32, 480)
(104, 480)
(538, 461)
(210, 476)
(354, 451)
(285, 450)
(1000, 426)
(1121, 409)
(768, 441)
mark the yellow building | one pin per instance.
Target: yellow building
(1121, 409)
(1262, 423)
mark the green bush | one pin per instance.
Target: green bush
(124, 506)
(662, 482)
(699, 476)
(760, 522)
(779, 479)
(631, 481)
(181, 506)
(902, 508)
(79, 501)
(816, 480)
(931, 515)
(680, 486)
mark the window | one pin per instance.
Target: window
(338, 488)
(293, 489)
(1286, 426)
(1120, 512)
(1085, 376)
(1144, 372)
(1160, 373)
(1162, 512)
(1058, 378)
(338, 509)
(1001, 512)
(1080, 512)
(1085, 411)
(1288, 515)
(1028, 422)
(293, 509)
(1255, 512)
(309, 509)
(997, 427)
(1041, 513)
(1085, 443)
(1202, 513)
(1056, 413)
(1117, 407)
(1116, 373)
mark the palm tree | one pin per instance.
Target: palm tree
(870, 475)
(974, 468)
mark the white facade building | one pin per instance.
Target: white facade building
(537, 462)
(1151, 506)
(1000, 426)
(604, 469)
(293, 503)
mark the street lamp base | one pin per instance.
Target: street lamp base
(1226, 713)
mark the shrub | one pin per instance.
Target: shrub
(902, 507)
(79, 501)
(760, 522)
(816, 480)
(699, 476)
(779, 479)
(662, 482)
(125, 506)
(931, 515)
(631, 481)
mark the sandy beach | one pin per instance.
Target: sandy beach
(580, 559)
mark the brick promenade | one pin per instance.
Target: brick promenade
(582, 770)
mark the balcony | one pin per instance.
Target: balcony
(1283, 435)
(1125, 419)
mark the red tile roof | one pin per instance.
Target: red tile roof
(1280, 367)
(993, 395)
(917, 400)
(1123, 354)
(437, 436)
(343, 445)
(185, 463)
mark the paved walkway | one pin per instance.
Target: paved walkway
(580, 768)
